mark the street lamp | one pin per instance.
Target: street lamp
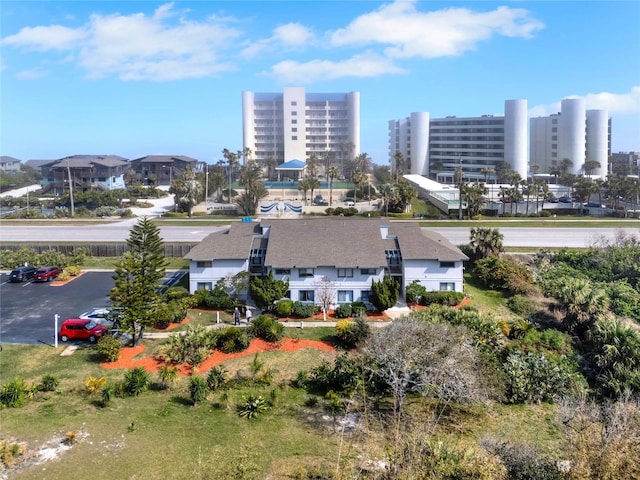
(206, 188)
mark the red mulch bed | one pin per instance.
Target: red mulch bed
(127, 355)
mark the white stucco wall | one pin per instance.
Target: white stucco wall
(430, 274)
(220, 269)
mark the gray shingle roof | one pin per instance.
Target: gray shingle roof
(314, 242)
(234, 243)
(85, 161)
(164, 159)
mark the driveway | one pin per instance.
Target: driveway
(28, 309)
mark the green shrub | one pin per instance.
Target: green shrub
(266, 327)
(167, 375)
(190, 346)
(48, 383)
(197, 389)
(232, 339)
(136, 381)
(64, 276)
(72, 270)
(216, 378)
(163, 316)
(524, 461)
(358, 308)
(503, 274)
(343, 376)
(415, 292)
(109, 347)
(521, 305)
(531, 377)
(343, 311)
(283, 308)
(450, 299)
(303, 309)
(176, 293)
(253, 406)
(352, 332)
(14, 393)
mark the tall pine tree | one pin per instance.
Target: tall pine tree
(137, 277)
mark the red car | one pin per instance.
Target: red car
(46, 274)
(81, 329)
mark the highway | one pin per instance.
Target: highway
(539, 237)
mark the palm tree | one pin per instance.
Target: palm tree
(487, 171)
(312, 167)
(304, 186)
(399, 162)
(187, 190)
(254, 190)
(360, 179)
(485, 242)
(232, 163)
(363, 163)
(405, 192)
(387, 190)
(270, 163)
(589, 166)
(332, 173)
(583, 303)
(474, 196)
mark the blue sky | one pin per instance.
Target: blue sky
(133, 78)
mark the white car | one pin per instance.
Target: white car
(104, 316)
(349, 203)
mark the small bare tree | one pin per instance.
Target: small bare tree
(325, 294)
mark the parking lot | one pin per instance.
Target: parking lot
(27, 309)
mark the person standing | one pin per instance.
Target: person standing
(248, 315)
(236, 316)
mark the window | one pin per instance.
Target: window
(554, 145)
(294, 137)
(554, 138)
(554, 130)
(294, 129)
(204, 286)
(305, 272)
(294, 103)
(447, 286)
(365, 295)
(345, 272)
(205, 264)
(447, 264)
(294, 121)
(306, 296)
(367, 271)
(294, 113)
(345, 296)
(283, 271)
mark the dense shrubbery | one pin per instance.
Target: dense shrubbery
(109, 347)
(283, 308)
(9, 259)
(343, 310)
(343, 377)
(503, 274)
(521, 305)
(384, 294)
(531, 377)
(216, 299)
(232, 339)
(352, 332)
(304, 309)
(266, 327)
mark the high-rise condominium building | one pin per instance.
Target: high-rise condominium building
(574, 133)
(435, 147)
(294, 125)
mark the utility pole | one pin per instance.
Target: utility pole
(70, 190)
(206, 188)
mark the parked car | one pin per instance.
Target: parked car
(81, 329)
(22, 274)
(46, 274)
(349, 203)
(565, 199)
(104, 316)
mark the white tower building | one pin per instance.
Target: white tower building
(574, 133)
(436, 147)
(294, 125)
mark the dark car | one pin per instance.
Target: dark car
(565, 199)
(81, 329)
(22, 274)
(46, 274)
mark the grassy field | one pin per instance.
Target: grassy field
(159, 434)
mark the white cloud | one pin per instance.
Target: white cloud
(292, 36)
(32, 74)
(137, 46)
(453, 31)
(615, 103)
(53, 37)
(364, 65)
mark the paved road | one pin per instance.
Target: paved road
(115, 232)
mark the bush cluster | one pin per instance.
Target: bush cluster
(9, 259)
(352, 332)
(341, 211)
(503, 274)
(109, 347)
(266, 327)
